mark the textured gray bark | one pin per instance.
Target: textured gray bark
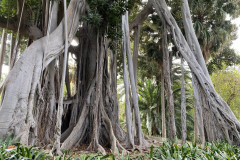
(113, 75)
(57, 133)
(164, 131)
(183, 105)
(137, 30)
(135, 51)
(192, 38)
(195, 47)
(198, 103)
(46, 100)
(220, 123)
(94, 145)
(92, 118)
(96, 101)
(126, 82)
(167, 77)
(18, 99)
(126, 39)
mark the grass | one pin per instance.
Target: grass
(13, 150)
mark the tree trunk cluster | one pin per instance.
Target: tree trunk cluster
(32, 104)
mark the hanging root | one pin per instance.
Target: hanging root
(222, 123)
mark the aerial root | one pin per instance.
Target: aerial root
(56, 151)
(95, 146)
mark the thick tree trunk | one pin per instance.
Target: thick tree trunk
(183, 105)
(220, 123)
(16, 113)
(97, 105)
(167, 76)
(46, 100)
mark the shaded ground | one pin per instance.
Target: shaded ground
(153, 141)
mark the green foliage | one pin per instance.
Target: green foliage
(106, 16)
(214, 31)
(217, 150)
(150, 102)
(227, 84)
(11, 150)
(168, 151)
(8, 8)
(149, 99)
(227, 57)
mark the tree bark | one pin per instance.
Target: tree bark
(57, 134)
(137, 30)
(183, 105)
(220, 123)
(18, 99)
(113, 75)
(46, 100)
(126, 82)
(198, 117)
(96, 102)
(126, 39)
(170, 102)
(196, 49)
(164, 131)
(135, 51)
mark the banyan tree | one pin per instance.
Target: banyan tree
(32, 107)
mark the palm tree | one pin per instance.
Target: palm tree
(149, 105)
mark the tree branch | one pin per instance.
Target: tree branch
(142, 16)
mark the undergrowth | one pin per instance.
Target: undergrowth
(13, 150)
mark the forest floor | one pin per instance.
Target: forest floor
(154, 142)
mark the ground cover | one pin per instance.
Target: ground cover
(13, 150)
